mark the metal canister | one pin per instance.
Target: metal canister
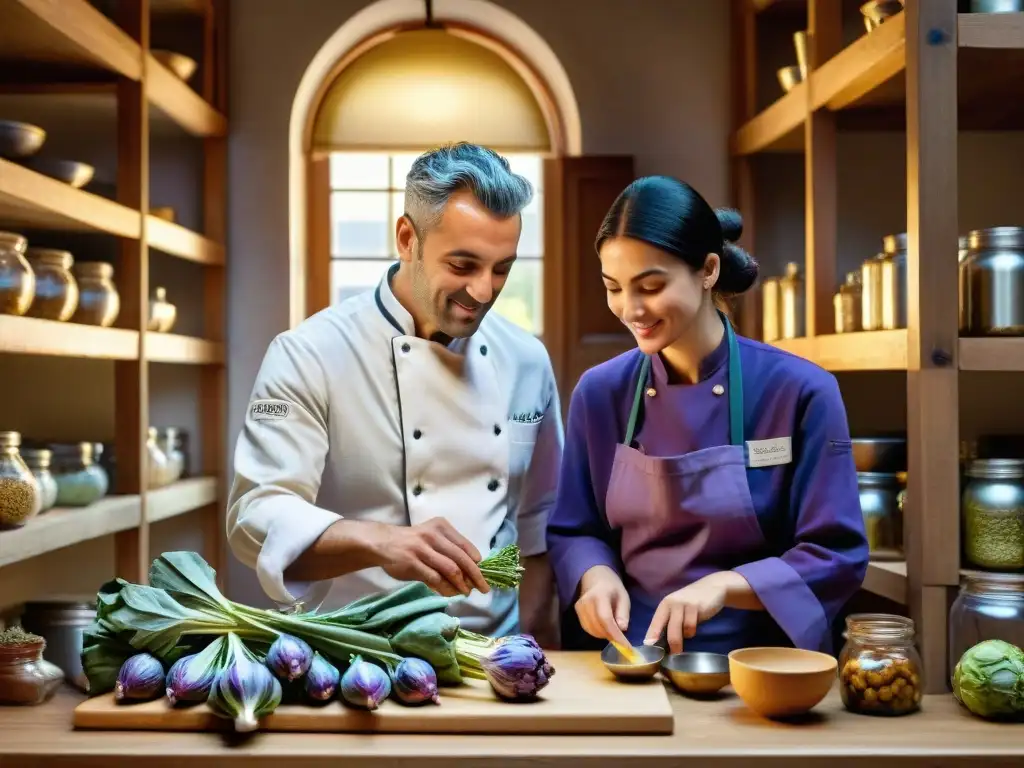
(791, 302)
(893, 281)
(770, 309)
(846, 303)
(992, 282)
(63, 624)
(993, 514)
(871, 293)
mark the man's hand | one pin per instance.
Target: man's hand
(432, 552)
(603, 605)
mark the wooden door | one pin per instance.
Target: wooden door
(579, 329)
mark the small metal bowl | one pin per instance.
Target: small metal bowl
(619, 666)
(20, 139)
(697, 672)
(789, 77)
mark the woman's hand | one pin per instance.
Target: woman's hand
(603, 605)
(681, 611)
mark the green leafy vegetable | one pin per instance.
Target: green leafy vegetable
(989, 679)
(501, 569)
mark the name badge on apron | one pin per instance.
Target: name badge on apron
(769, 453)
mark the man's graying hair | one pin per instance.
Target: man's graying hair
(440, 173)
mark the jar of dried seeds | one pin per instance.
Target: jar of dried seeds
(19, 491)
(993, 514)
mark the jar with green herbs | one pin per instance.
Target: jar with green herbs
(17, 280)
(56, 288)
(78, 484)
(993, 514)
(38, 461)
(19, 491)
(879, 667)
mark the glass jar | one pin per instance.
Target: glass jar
(894, 281)
(17, 280)
(157, 461)
(167, 440)
(791, 303)
(56, 288)
(883, 515)
(879, 667)
(97, 468)
(19, 491)
(38, 462)
(871, 293)
(991, 281)
(99, 303)
(77, 482)
(993, 514)
(990, 606)
(25, 676)
(846, 304)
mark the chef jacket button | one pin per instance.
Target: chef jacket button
(718, 389)
(497, 429)
(492, 486)
(483, 349)
(416, 434)
(651, 392)
(417, 490)
(406, 347)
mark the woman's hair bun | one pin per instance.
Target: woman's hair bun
(738, 271)
(731, 222)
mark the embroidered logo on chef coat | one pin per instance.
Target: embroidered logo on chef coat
(527, 418)
(269, 410)
(769, 453)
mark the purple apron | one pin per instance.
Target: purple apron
(683, 517)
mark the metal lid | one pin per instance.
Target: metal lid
(37, 457)
(10, 439)
(53, 257)
(1010, 238)
(983, 583)
(99, 269)
(996, 469)
(12, 241)
(83, 451)
(880, 479)
(894, 243)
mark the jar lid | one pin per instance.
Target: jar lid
(83, 451)
(99, 269)
(1011, 238)
(37, 456)
(894, 243)
(995, 469)
(12, 241)
(51, 257)
(10, 439)
(878, 479)
(981, 582)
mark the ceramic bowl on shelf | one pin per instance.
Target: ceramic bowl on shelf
(69, 171)
(624, 669)
(876, 12)
(19, 140)
(181, 65)
(789, 77)
(781, 682)
(696, 672)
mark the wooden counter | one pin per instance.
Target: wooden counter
(716, 733)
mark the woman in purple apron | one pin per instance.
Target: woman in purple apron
(708, 494)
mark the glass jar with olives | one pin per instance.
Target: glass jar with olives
(879, 667)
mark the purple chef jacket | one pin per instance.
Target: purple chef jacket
(815, 553)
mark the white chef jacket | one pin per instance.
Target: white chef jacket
(353, 416)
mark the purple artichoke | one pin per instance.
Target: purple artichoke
(517, 668)
(141, 677)
(415, 682)
(289, 657)
(364, 684)
(322, 679)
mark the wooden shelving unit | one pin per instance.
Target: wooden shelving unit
(929, 72)
(71, 47)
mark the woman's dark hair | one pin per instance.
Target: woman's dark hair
(671, 215)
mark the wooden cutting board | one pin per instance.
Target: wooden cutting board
(583, 697)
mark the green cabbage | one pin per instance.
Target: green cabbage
(989, 679)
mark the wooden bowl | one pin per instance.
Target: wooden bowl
(619, 666)
(781, 682)
(697, 672)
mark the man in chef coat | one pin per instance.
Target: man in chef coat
(405, 433)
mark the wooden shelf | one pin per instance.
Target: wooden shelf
(992, 354)
(172, 348)
(68, 34)
(888, 580)
(30, 199)
(175, 240)
(779, 128)
(862, 69)
(179, 102)
(31, 336)
(64, 526)
(865, 351)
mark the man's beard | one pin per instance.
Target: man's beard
(440, 308)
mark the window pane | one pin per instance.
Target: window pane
(400, 165)
(530, 166)
(397, 209)
(531, 239)
(359, 170)
(521, 300)
(353, 276)
(360, 224)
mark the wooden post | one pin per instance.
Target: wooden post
(824, 40)
(932, 510)
(131, 377)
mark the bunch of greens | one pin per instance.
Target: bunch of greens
(182, 611)
(989, 680)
